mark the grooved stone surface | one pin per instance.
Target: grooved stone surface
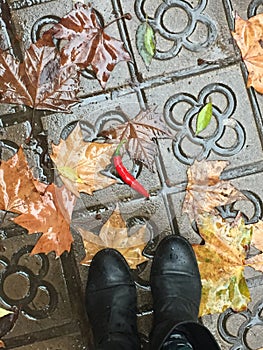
(49, 291)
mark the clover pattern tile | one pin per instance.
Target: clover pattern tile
(30, 281)
(179, 37)
(251, 318)
(186, 129)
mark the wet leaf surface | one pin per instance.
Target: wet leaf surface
(114, 234)
(40, 82)
(79, 163)
(205, 190)
(88, 44)
(42, 208)
(257, 241)
(17, 189)
(248, 36)
(141, 133)
(221, 264)
(51, 216)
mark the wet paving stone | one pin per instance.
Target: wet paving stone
(196, 59)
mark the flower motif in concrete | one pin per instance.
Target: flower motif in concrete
(177, 22)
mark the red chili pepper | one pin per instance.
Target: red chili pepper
(124, 173)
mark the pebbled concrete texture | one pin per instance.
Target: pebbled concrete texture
(49, 291)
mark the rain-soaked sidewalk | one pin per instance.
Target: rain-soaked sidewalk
(195, 59)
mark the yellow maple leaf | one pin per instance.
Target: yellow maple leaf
(257, 241)
(221, 264)
(114, 234)
(79, 163)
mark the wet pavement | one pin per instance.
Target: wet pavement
(50, 291)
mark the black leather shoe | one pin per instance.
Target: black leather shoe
(176, 287)
(111, 302)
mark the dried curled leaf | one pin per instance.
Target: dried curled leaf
(248, 36)
(40, 81)
(114, 234)
(140, 134)
(145, 42)
(221, 264)
(79, 163)
(88, 44)
(205, 190)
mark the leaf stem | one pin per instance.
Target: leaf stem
(125, 16)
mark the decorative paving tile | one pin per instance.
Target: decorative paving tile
(51, 290)
(199, 31)
(231, 134)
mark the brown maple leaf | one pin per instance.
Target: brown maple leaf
(140, 134)
(249, 38)
(79, 163)
(39, 82)
(205, 190)
(51, 215)
(221, 262)
(88, 44)
(114, 234)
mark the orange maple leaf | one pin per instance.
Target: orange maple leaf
(17, 188)
(51, 216)
(42, 208)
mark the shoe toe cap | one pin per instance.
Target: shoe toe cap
(108, 269)
(173, 254)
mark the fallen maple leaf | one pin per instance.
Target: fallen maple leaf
(257, 241)
(17, 188)
(248, 36)
(140, 134)
(205, 191)
(39, 82)
(42, 208)
(51, 216)
(88, 44)
(257, 237)
(79, 163)
(114, 234)
(221, 264)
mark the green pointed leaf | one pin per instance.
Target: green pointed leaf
(145, 42)
(204, 117)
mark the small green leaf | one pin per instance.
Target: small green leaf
(204, 117)
(145, 42)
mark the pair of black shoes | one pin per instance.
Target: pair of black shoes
(176, 290)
